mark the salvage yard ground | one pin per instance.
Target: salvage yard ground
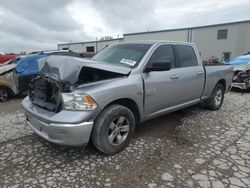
(189, 148)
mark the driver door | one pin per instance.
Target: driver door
(160, 86)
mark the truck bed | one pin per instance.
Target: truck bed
(215, 73)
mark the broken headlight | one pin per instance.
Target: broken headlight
(78, 102)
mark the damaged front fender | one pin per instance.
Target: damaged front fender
(7, 81)
(59, 74)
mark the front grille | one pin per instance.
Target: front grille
(46, 93)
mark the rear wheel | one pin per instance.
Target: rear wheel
(113, 129)
(4, 95)
(215, 101)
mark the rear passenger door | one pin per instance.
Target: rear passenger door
(190, 74)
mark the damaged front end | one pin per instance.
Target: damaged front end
(7, 82)
(46, 93)
(60, 75)
(241, 77)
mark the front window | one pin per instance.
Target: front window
(163, 54)
(123, 54)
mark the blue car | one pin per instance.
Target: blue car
(243, 59)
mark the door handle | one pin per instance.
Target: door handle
(200, 72)
(175, 76)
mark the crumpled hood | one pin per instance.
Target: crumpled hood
(6, 68)
(67, 69)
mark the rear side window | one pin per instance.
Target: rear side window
(162, 54)
(185, 56)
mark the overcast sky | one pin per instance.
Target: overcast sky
(27, 25)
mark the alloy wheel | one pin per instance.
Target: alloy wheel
(218, 97)
(118, 130)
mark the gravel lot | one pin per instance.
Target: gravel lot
(189, 148)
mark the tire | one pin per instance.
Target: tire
(113, 129)
(4, 94)
(215, 101)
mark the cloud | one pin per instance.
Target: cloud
(37, 25)
(27, 25)
(52, 15)
(128, 15)
(91, 19)
(196, 12)
(142, 15)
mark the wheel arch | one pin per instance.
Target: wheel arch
(129, 103)
(8, 89)
(222, 82)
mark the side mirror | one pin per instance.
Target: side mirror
(159, 66)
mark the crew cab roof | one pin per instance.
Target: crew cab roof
(158, 41)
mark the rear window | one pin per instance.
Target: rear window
(185, 56)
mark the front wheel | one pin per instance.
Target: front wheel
(215, 101)
(113, 129)
(4, 95)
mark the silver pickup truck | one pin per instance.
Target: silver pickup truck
(74, 100)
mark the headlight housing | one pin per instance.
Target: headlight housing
(78, 102)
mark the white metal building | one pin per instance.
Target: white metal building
(90, 46)
(222, 41)
(227, 39)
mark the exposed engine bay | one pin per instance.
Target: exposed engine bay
(62, 74)
(88, 75)
(45, 93)
(241, 77)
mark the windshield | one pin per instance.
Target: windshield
(8, 62)
(123, 54)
